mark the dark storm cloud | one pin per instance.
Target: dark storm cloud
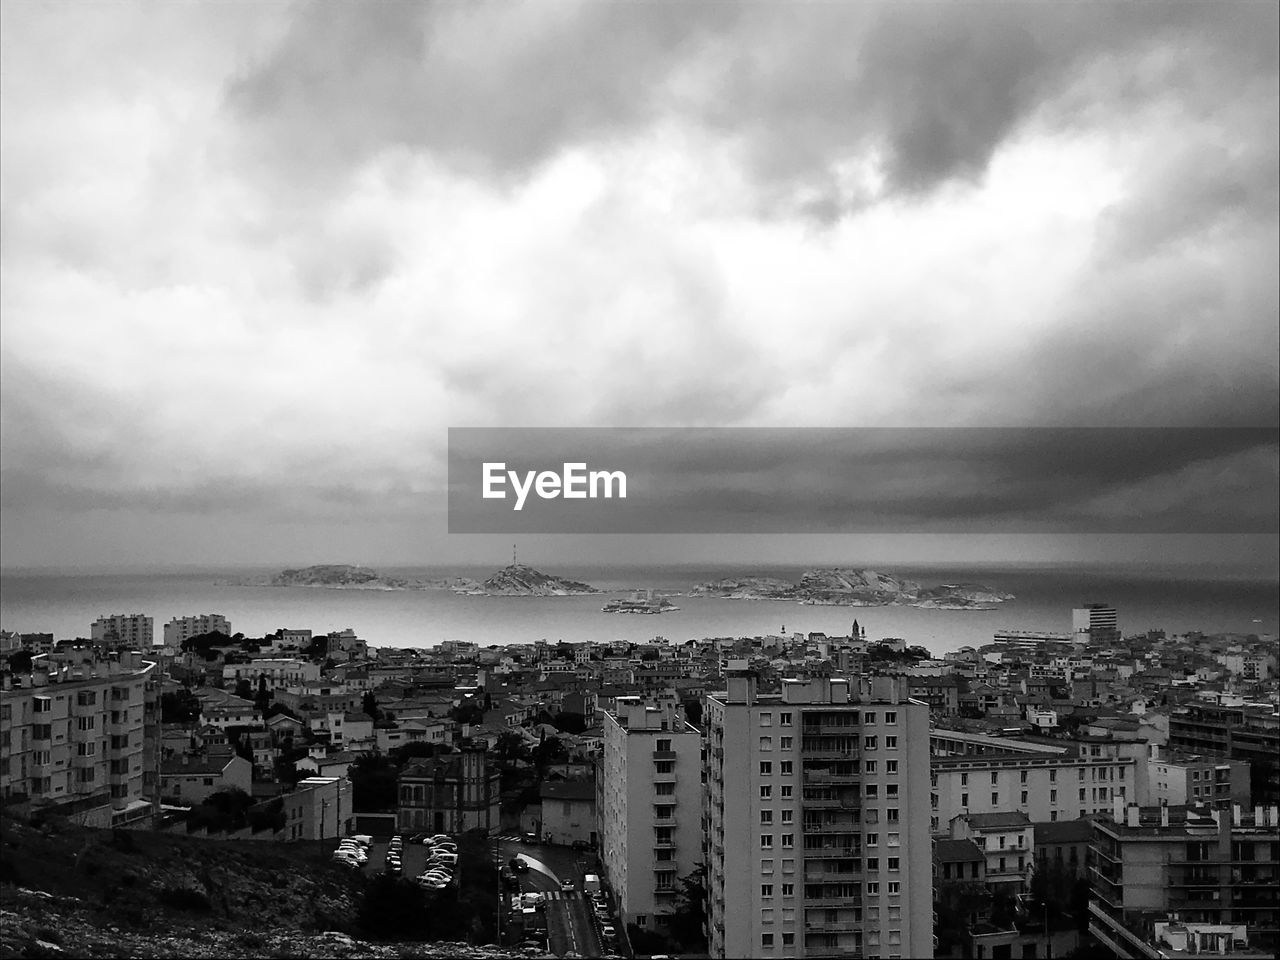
(885, 480)
(931, 89)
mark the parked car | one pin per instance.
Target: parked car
(519, 865)
(567, 886)
(608, 932)
(582, 845)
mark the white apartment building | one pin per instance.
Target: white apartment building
(122, 631)
(75, 735)
(1046, 787)
(1094, 619)
(648, 806)
(817, 820)
(184, 628)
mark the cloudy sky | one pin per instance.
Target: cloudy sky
(257, 258)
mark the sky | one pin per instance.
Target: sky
(258, 258)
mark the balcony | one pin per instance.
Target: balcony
(832, 851)
(832, 903)
(842, 827)
(659, 755)
(668, 821)
(830, 776)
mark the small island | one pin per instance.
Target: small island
(515, 580)
(640, 604)
(855, 588)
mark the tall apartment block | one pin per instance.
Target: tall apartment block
(184, 628)
(648, 806)
(1172, 881)
(122, 631)
(78, 735)
(1095, 621)
(817, 820)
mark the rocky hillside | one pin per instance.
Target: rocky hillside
(856, 588)
(521, 580)
(68, 891)
(337, 575)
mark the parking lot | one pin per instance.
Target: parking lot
(413, 858)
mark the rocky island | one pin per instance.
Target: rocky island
(855, 588)
(516, 580)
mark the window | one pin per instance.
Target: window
(869, 717)
(766, 841)
(665, 789)
(766, 768)
(785, 768)
(766, 743)
(766, 791)
(86, 749)
(895, 839)
(786, 791)
(766, 719)
(891, 790)
(784, 719)
(786, 743)
(664, 766)
(1022, 778)
(872, 790)
(891, 815)
(788, 841)
(1082, 791)
(869, 743)
(964, 779)
(891, 743)
(787, 815)
(1053, 796)
(766, 889)
(964, 799)
(663, 746)
(766, 816)
(995, 799)
(995, 779)
(873, 863)
(873, 839)
(788, 939)
(1053, 776)
(766, 866)
(891, 766)
(1023, 798)
(891, 716)
(788, 889)
(86, 723)
(895, 887)
(766, 940)
(869, 766)
(873, 889)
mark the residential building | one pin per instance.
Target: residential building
(1095, 621)
(1063, 846)
(1163, 876)
(190, 780)
(122, 631)
(1180, 779)
(319, 808)
(184, 628)
(450, 794)
(569, 811)
(278, 671)
(960, 861)
(649, 806)
(78, 735)
(817, 819)
(1046, 787)
(1008, 842)
(1248, 732)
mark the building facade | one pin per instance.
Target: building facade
(122, 631)
(184, 628)
(1163, 875)
(73, 735)
(450, 794)
(649, 805)
(1249, 732)
(817, 820)
(1095, 621)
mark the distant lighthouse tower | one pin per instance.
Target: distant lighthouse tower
(513, 555)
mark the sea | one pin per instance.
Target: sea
(1179, 601)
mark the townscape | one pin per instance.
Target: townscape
(1046, 794)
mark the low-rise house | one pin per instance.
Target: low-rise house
(569, 811)
(1007, 840)
(190, 780)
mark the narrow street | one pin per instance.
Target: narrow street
(570, 925)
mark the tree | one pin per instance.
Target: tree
(549, 751)
(244, 689)
(180, 706)
(468, 711)
(262, 699)
(686, 921)
(369, 704)
(510, 749)
(693, 712)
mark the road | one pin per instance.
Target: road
(570, 924)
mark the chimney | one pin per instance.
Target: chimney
(1117, 808)
(1164, 814)
(1133, 816)
(1259, 816)
(1273, 816)
(1235, 814)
